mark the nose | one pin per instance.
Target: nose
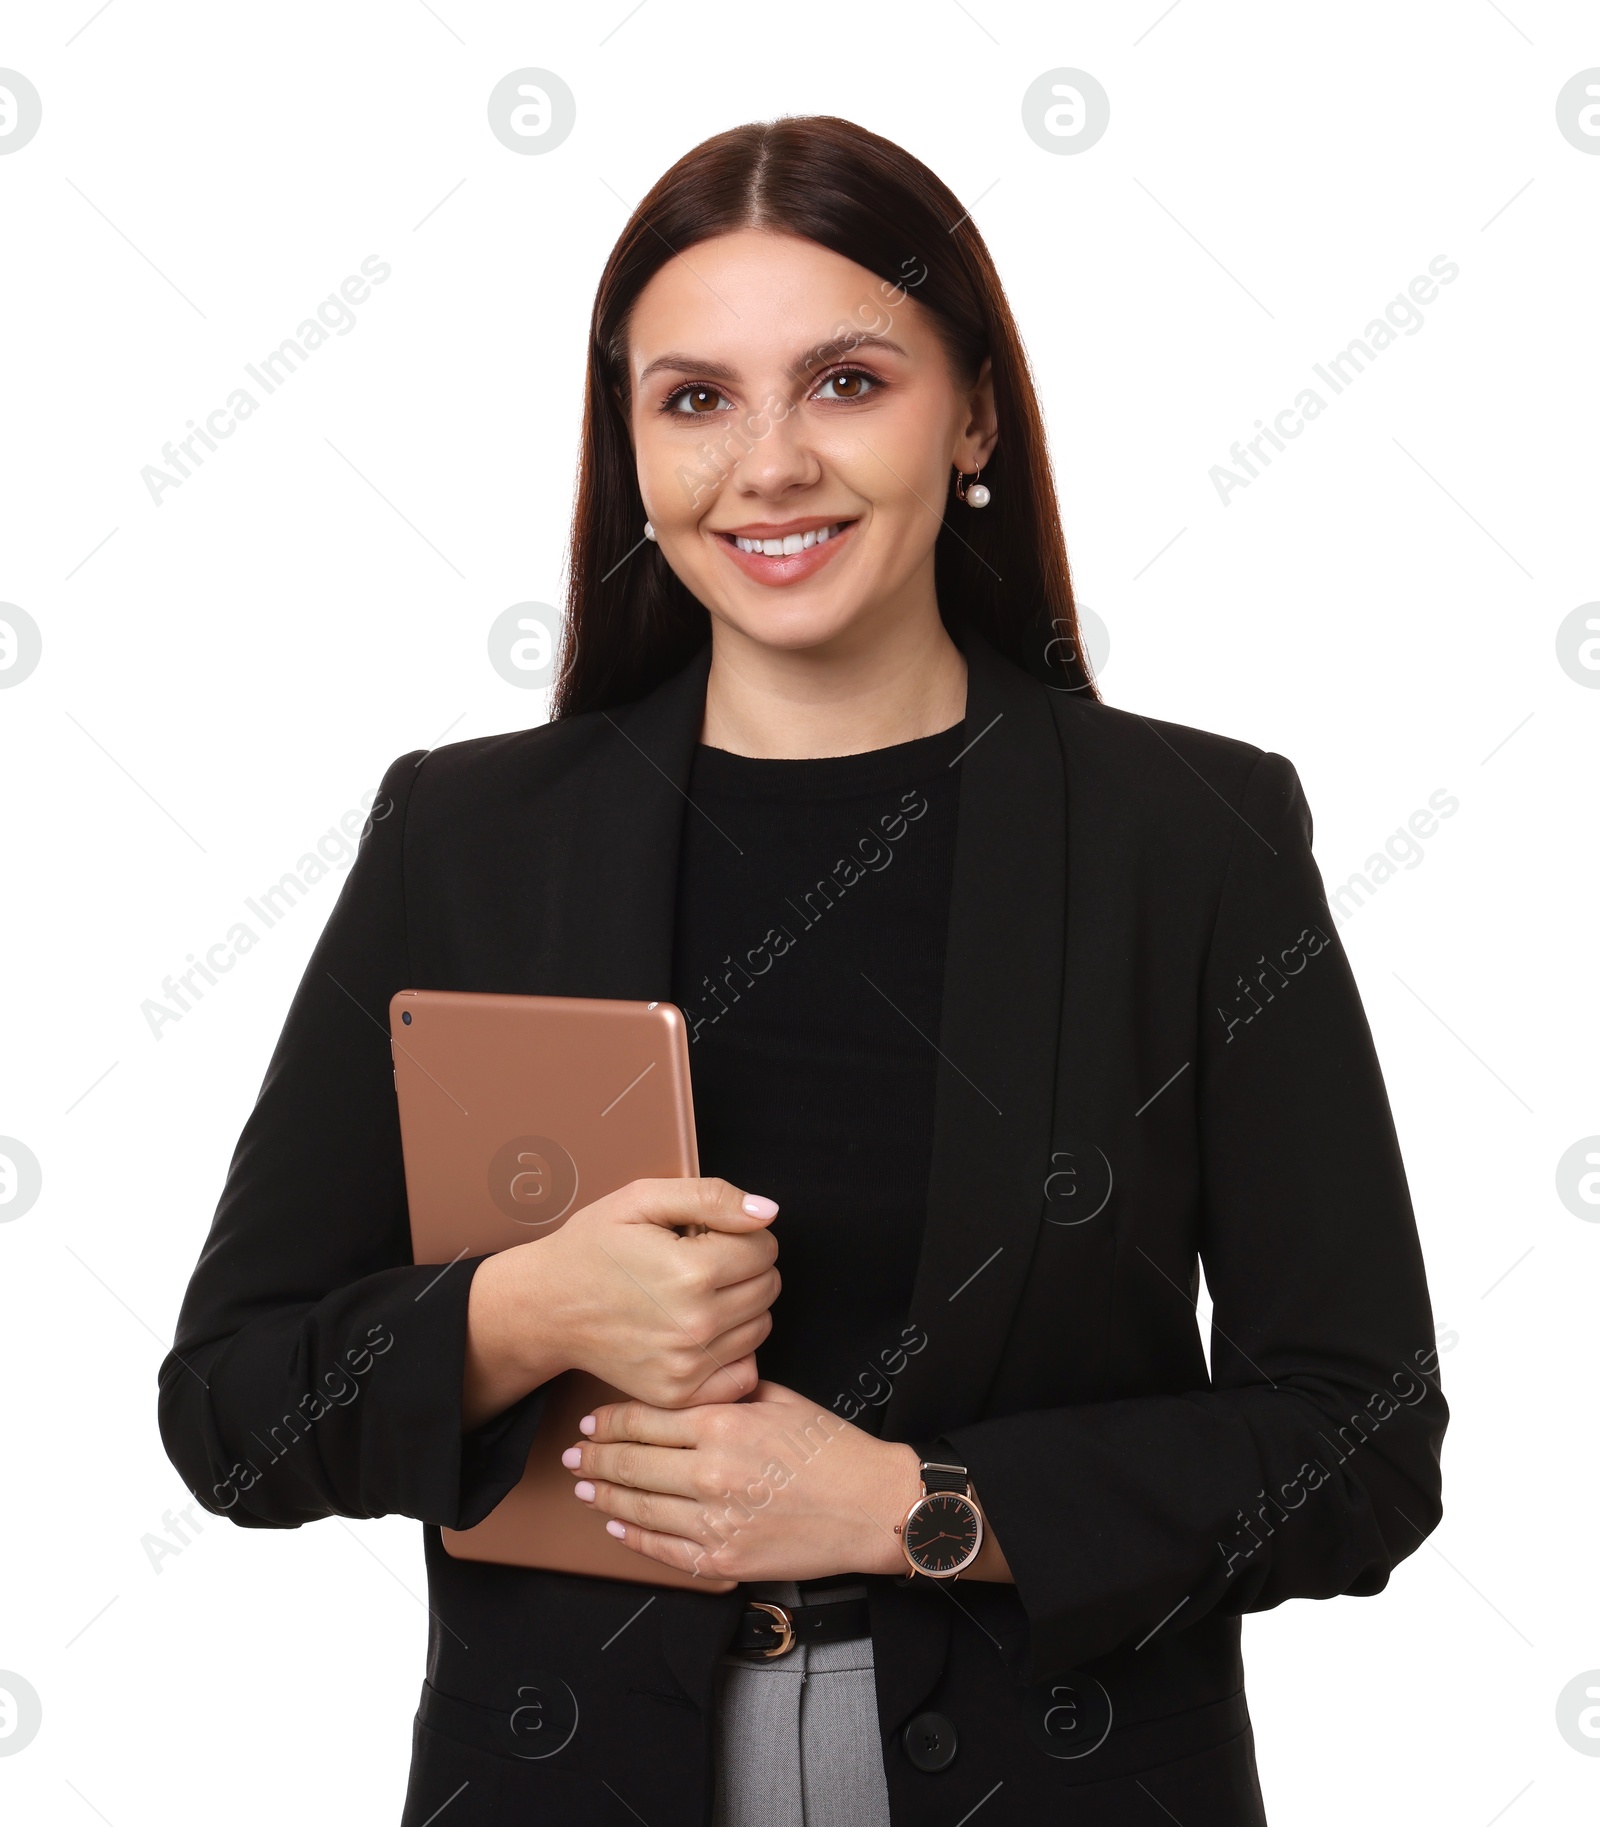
(778, 459)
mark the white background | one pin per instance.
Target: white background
(226, 674)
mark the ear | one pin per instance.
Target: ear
(981, 429)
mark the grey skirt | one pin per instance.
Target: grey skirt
(796, 1738)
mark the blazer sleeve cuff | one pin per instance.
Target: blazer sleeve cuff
(354, 1408)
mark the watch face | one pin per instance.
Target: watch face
(942, 1533)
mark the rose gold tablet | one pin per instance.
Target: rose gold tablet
(516, 1111)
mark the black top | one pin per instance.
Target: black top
(813, 900)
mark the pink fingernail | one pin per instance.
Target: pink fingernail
(586, 1425)
(584, 1489)
(572, 1458)
(615, 1528)
(759, 1207)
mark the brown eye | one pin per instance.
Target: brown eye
(696, 400)
(850, 385)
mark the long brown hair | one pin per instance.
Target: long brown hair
(630, 622)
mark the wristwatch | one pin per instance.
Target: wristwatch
(943, 1530)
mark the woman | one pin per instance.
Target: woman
(1013, 1008)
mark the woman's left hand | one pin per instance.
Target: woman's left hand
(772, 1487)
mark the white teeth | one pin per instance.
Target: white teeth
(790, 543)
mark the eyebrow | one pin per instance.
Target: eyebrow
(816, 357)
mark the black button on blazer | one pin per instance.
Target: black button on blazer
(1152, 1053)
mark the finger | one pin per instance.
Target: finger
(728, 1263)
(641, 1421)
(626, 1462)
(670, 1550)
(731, 1372)
(731, 1381)
(648, 1509)
(740, 1341)
(711, 1202)
(733, 1304)
(779, 1392)
(740, 1338)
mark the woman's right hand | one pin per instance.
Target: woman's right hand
(621, 1292)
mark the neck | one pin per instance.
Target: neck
(868, 689)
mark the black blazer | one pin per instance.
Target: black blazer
(1152, 1053)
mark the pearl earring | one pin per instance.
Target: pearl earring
(650, 532)
(974, 493)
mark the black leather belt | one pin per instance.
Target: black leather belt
(767, 1630)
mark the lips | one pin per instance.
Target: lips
(779, 555)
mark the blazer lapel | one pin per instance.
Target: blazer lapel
(998, 1036)
(611, 933)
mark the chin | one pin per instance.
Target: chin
(794, 626)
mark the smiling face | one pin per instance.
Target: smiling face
(795, 420)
